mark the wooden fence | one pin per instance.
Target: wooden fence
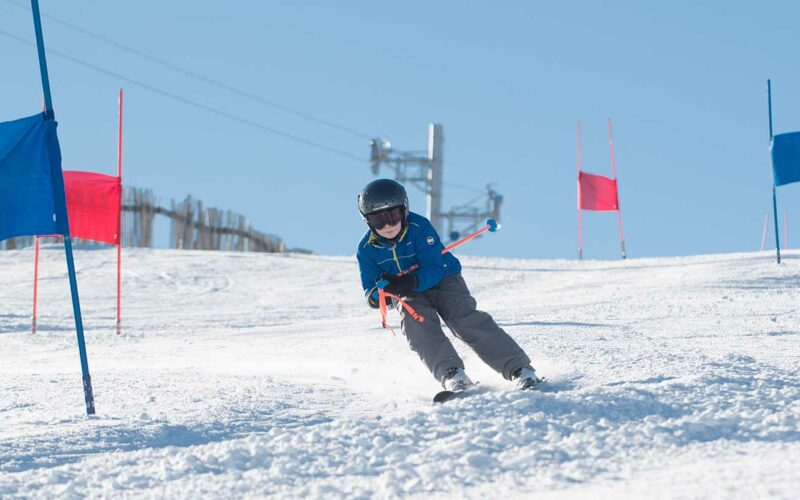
(191, 226)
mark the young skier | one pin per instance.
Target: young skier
(398, 239)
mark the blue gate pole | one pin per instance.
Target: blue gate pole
(76, 307)
(37, 25)
(774, 193)
(61, 215)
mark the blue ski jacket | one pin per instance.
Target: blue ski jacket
(418, 244)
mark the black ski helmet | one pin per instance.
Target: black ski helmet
(380, 195)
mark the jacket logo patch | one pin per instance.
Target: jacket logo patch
(430, 240)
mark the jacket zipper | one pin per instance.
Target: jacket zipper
(394, 256)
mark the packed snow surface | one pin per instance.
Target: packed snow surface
(250, 375)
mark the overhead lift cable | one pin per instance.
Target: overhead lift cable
(190, 102)
(195, 75)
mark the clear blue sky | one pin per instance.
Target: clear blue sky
(684, 83)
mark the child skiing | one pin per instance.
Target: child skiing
(398, 239)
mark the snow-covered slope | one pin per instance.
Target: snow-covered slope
(244, 375)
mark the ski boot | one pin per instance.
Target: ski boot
(455, 380)
(526, 378)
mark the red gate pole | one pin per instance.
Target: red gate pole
(35, 284)
(614, 170)
(580, 219)
(786, 229)
(119, 219)
(36, 269)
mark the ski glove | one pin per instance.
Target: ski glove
(399, 285)
(372, 299)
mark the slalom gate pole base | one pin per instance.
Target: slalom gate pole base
(88, 394)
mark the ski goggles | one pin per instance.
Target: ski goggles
(390, 217)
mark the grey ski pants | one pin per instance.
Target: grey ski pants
(456, 306)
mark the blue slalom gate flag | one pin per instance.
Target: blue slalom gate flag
(785, 152)
(31, 181)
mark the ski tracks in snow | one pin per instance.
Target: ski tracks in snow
(251, 375)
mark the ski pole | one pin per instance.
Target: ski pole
(491, 226)
(382, 296)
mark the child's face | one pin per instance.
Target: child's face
(389, 232)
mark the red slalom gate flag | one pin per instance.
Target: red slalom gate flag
(597, 192)
(93, 204)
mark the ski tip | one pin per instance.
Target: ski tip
(443, 396)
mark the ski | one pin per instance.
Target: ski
(444, 396)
